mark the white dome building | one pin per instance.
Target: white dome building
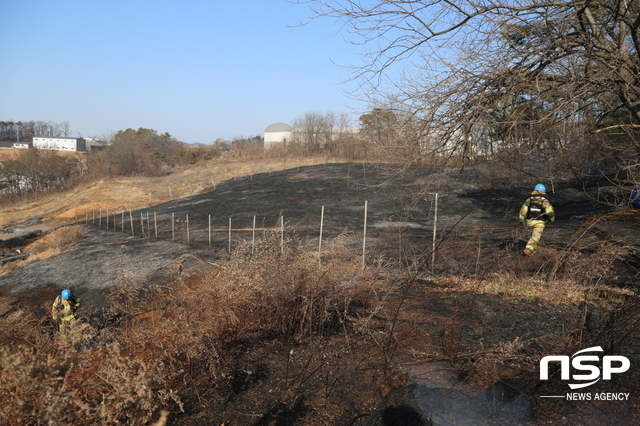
(277, 133)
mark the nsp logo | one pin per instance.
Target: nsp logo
(610, 364)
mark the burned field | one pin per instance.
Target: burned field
(267, 335)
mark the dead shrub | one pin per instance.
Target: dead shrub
(128, 372)
(22, 327)
(456, 253)
(505, 360)
(262, 289)
(33, 390)
(87, 379)
(81, 387)
(132, 387)
(594, 265)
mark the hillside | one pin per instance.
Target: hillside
(298, 339)
(126, 193)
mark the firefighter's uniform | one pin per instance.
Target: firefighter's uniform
(64, 311)
(535, 212)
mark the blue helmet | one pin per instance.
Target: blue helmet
(540, 187)
(66, 294)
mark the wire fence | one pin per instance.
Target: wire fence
(394, 243)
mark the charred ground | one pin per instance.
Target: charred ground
(444, 346)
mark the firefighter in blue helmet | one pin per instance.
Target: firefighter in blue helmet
(64, 310)
(535, 213)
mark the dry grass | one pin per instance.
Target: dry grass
(52, 244)
(169, 343)
(124, 193)
(536, 288)
(55, 241)
(188, 338)
(126, 374)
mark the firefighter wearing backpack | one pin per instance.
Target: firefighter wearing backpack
(64, 310)
(535, 213)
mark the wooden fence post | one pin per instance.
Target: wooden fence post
(435, 226)
(253, 236)
(282, 234)
(364, 236)
(320, 240)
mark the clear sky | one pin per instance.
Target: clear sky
(198, 69)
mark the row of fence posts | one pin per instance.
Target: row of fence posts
(253, 233)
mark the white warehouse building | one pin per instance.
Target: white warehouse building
(281, 132)
(59, 144)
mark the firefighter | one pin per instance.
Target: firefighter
(64, 310)
(535, 213)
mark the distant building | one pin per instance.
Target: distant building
(95, 144)
(59, 144)
(277, 133)
(22, 145)
(281, 132)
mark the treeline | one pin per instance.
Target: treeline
(36, 171)
(24, 131)
(326, 134)
(135, 152)
(141, 152)
(145, 152)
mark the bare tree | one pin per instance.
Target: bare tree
(313, 131)
(33, 171)
(504, 78)
(65, 128)
(25, 130)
